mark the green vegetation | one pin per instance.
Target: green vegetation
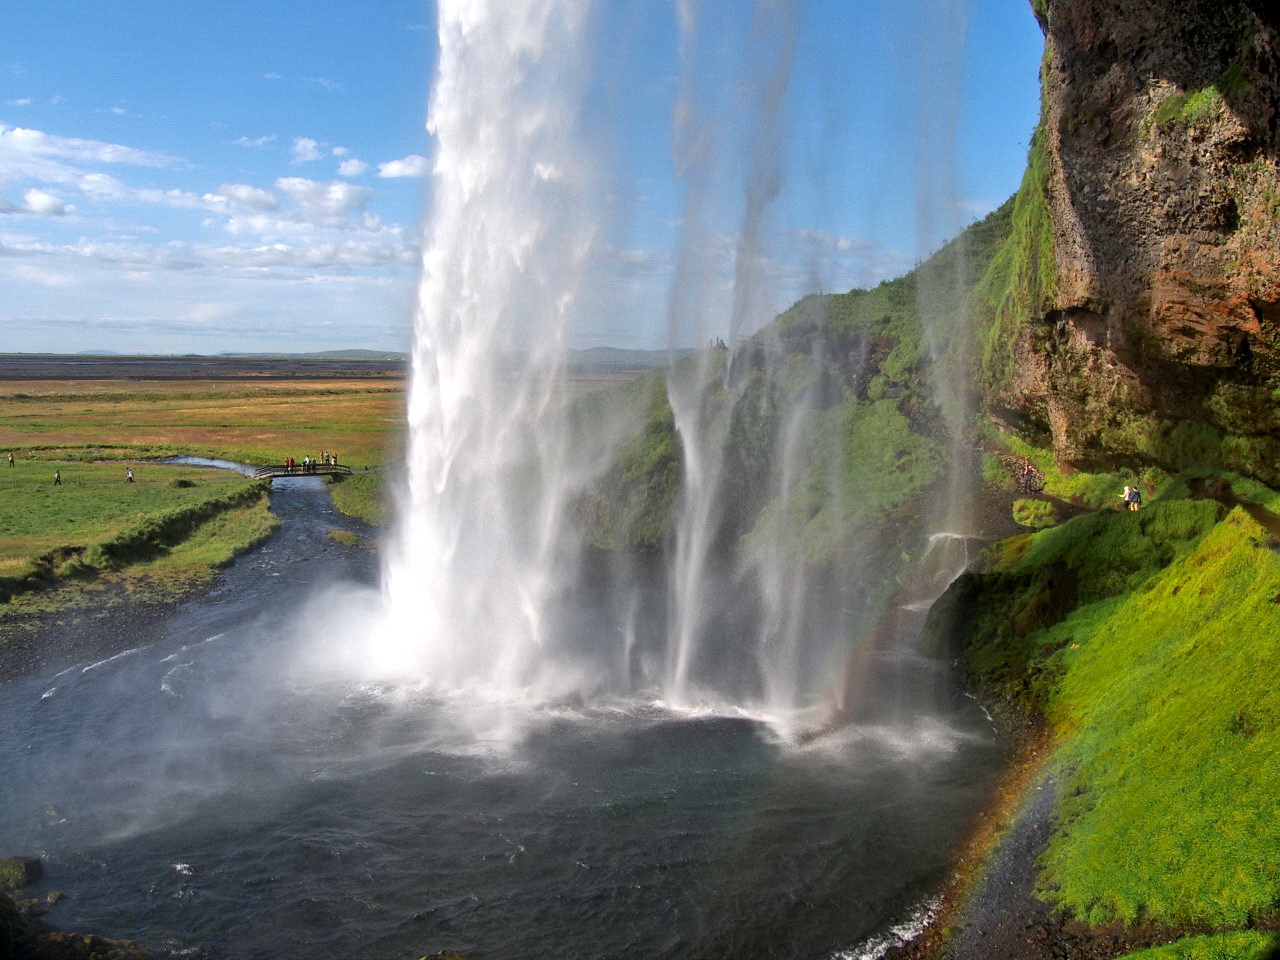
(632, 505)
(170, 529)
(1034, 513)
(872, 443)
(257, 423)
(1147, 640)
(1189, 108)
(1223, 946)
(1022, 276)
(865, 464)
(173, 523)
(363, 495)
(1172, 769)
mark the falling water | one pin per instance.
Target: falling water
(481, 552)
(485, 565)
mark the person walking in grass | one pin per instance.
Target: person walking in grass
(128, 475)
(57, 478)
(11, 458)
(1132, 498)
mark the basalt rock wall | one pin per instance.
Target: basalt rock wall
(1158, 340)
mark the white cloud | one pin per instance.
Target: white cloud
(204, 312)
(20, 102)
(43, 204)
(18, 144)
(280, 258)
(413, 165)
(324, 203)
(255, 198)
(322, 82)
(305, 150)
(42, 276)
(145, 221)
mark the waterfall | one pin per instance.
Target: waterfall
(487, 565)
(479, 554)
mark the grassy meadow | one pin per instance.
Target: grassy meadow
(173, 526)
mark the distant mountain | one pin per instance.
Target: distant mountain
(631, 359)
(382, 355)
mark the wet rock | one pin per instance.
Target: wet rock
(18, 872)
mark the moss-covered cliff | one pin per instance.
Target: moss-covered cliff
(1138, 320)
(1129, 335)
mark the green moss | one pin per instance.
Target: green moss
(1170, 808)
(1034, 513)
(1004, 619)
(1022, 276)
(1191, 108)
(1237, 945)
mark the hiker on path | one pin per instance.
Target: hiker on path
(1132, 498)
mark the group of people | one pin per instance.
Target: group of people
(308, 464)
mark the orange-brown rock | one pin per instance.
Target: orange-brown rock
(1160, 339)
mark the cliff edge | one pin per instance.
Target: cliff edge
(1150, 337)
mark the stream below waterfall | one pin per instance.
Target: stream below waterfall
(214, 792)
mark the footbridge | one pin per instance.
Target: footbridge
(298, 470)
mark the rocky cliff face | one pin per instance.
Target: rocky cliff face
(1158, 340)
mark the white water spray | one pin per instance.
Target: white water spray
(480, 552)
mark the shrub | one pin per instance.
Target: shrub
(1036, 514)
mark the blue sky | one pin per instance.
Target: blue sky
(197, 177)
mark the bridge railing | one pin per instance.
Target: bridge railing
(298, 470)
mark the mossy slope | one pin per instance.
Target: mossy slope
(1172, 718)
(1150, 643)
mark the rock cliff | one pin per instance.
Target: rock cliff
(1157, 337)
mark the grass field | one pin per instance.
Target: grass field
(174, 525)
